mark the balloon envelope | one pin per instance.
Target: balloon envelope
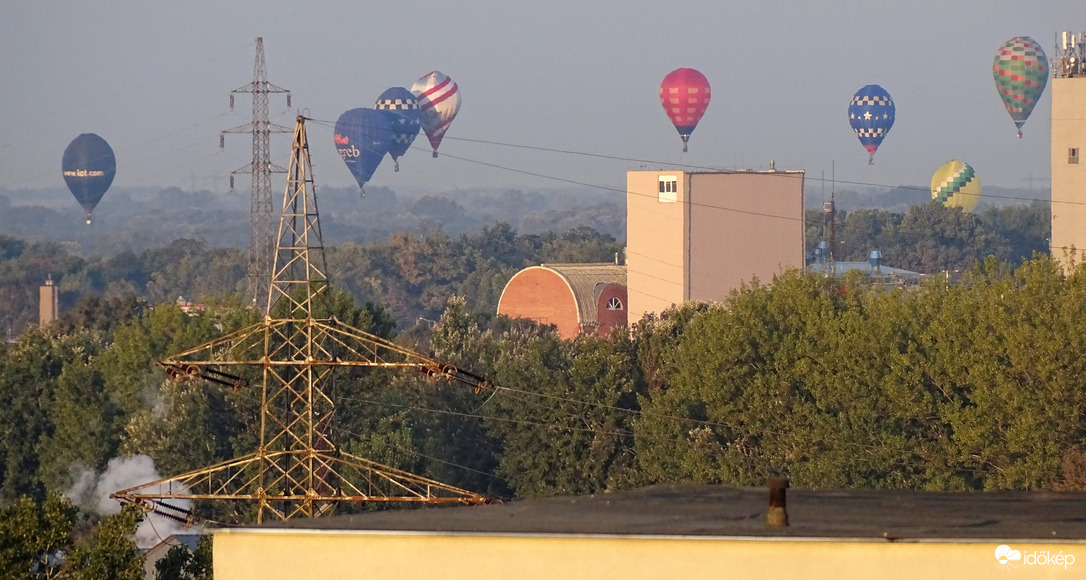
(362, 138)
(871, 114)
(402, 110)
(439, 102)
(1020, 70)
(88, 166)
(685, 95)
(955, 184)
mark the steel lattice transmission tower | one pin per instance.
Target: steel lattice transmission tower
(261, 240)
(298, 468)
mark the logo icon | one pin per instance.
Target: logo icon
(342, 139)
(1005, 554)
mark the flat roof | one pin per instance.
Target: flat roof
(711, 510)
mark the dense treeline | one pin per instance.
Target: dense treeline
(414, 274)
(930, 238)
(411, 275)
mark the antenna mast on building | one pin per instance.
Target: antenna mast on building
(1070, 55)
(299, 468)
(830, 209)
(261, 240)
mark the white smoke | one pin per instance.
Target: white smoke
(91, 492)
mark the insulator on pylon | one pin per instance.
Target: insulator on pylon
(288, 100)
(221, 378)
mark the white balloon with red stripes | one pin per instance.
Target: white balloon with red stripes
(439, 101)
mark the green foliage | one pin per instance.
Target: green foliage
(47, 391)
(109, 552)
(563, 412)
(930, 237)
(85, 422)
(180, 563)
(969, 386)
(33, 537)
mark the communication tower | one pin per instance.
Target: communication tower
(298, 468)
(261, 240)
(1070, 55)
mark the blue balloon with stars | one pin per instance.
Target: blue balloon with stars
(871, 114)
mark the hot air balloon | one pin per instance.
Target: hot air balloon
(955, 184)
(402, 110)
(1020, 70)
(871, 114)
(439, 101)
(362, 138)
(685, 95)
(88, 166)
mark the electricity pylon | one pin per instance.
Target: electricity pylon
(260, 169)
(298, 469)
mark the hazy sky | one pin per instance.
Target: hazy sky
(153, 78)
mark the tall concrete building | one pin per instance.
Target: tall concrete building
(1068, 149)
(700, 235)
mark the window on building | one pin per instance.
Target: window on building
(669, 189)
(614, 304)
(1072, 155)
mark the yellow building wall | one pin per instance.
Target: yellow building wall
(1068, 179)
(270, 554)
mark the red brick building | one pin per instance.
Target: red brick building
(576, 298)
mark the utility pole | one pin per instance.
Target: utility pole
(290, 357)
(261, 236)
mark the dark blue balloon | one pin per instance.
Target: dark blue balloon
(362, 138)
(402, 109)
(871, 114)
(88, 166)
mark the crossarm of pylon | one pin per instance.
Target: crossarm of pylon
(409, 484)
(211, 351)
(357, 480)
(200, 483)
(261, 87)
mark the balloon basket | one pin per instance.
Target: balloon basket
(362, 193)
(1019, 134)
(684, 147)
(435, 154)
(396, 166)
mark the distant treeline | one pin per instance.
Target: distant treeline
(134, 220)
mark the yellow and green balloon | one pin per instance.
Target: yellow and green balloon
(955, 184)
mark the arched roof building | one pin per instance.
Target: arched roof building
(576, 298)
